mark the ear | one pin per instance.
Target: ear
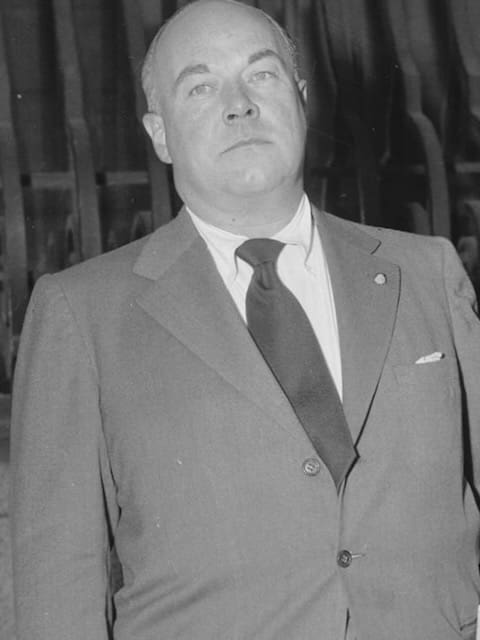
(302, 89)
(155, 127)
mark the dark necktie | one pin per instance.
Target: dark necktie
(286, 340)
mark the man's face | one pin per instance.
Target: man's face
(232, 118)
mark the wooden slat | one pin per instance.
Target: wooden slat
(339, 19)
(430, 47)
(66, 179)
(437, 189)
(87, 219)
(160, 188)
(469, 56)
(13, 234)
(290, 19)
(373, 74)
(418, 220)
(321, 103)
(468, 239)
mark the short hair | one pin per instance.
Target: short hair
(148, 76)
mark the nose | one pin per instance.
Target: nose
(239, 106)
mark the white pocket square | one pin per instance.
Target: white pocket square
(432, 357)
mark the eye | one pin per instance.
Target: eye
(201, 90)
(261, 76)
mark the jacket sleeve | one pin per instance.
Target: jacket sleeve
(60, 484)
(466, 329)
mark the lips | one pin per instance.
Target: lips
(247, 142)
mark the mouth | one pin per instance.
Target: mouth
(247, 142)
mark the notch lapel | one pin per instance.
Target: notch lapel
(189, 299)
(366, 292)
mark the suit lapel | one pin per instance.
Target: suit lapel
(188, 298)
(366, 291)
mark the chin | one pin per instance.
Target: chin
(254, 180)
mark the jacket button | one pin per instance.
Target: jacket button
(311, 466)
(344, 558)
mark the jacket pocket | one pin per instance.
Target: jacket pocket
(444, 371)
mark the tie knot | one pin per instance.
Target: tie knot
(258, 251)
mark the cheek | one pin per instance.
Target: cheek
(198, 133)
(291, 138)
(298, 123)
(289, 117)
(186, 144)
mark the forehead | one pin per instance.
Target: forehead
(215, 33)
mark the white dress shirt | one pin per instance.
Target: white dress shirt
(302, 268)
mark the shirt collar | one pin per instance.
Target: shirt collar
(299, 230)
(223, 244)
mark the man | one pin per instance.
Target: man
(147, 413)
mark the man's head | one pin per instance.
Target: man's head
(225, 104)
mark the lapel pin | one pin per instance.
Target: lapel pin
(380, 278)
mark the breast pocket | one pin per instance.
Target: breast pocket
(426, 401)
(440, 375)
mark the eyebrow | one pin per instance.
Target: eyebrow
(194, 69)
(265, 53)
(189, 70)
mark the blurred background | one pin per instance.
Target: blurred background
(394, 137)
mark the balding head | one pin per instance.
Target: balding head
(226, 107)
(153, 57)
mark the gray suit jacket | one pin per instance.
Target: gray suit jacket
(143, 411)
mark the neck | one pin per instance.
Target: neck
(258, 216)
